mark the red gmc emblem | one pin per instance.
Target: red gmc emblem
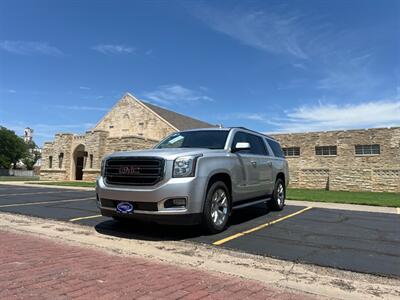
(128, 170)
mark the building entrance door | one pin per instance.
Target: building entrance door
(79, 168)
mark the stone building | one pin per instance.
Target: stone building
(350, 160)
(131, 124)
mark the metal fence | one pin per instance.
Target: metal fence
(17, 173)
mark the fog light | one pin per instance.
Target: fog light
(176, 202)
(179, 202)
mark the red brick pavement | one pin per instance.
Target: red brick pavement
(36, 268)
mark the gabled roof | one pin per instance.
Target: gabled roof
(181, 122)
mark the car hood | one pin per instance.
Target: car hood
(167, 153)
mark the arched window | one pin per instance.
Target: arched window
(125, 122)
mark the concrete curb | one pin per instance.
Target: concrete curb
(342, 206)
(23, 184)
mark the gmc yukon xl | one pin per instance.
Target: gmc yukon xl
(194, 176)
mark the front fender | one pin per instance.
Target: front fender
(210, 166)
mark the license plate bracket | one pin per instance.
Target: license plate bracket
(124, 208)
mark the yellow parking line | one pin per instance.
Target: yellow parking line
(45, 202)
(85, 218)
(235, 236)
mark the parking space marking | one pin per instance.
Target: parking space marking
(46, 202)
(36, 193)
(85, 218)
(237, 235)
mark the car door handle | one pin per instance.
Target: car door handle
(253, 163)
(269, 163)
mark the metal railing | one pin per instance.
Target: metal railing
(17, 172)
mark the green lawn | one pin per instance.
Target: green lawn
(365, 198)
(18, 178)
(68, 183)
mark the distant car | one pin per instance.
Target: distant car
(195, 176)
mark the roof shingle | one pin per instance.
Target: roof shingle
(181, 122)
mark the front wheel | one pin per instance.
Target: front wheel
(278, 197)
(217, 207)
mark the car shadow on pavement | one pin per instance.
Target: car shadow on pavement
(150, 231)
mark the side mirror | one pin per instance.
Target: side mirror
(241, 146)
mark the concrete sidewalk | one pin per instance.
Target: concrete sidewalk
(343, 206)
(37, 268)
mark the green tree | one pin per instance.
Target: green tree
(12, 148)
(32, 155)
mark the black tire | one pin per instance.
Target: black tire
(208, 223)
(278, 196)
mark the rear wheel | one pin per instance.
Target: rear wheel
(278, 197)
(217, 207)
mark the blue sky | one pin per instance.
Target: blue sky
(273, 66)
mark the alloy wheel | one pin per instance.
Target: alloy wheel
(219, 207)
(280, 195)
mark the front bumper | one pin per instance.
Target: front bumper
(152, 198)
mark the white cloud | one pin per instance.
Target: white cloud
(338, 61)
(29, 48)
(244, 116)
(322, 117)
(85, 88)
(11, 91)
(268, 31)
(113, 49)
(175, 94)
(78, 107)
(299, 66)
(350, 73)
(327, 117)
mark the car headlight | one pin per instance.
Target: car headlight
(185, 166)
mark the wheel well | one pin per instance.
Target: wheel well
(221, 177)
(281, 176)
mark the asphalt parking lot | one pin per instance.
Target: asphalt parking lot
(356, 241)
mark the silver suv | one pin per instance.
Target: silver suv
(194, 176)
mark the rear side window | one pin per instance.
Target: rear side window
(256, 143)
(276, 148)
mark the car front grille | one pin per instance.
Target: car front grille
(138, 171)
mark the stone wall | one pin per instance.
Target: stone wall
(58, 170)
(345, 171)
(129, 125)
(95, 143)
(129, 117)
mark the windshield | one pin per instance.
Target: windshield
(211, 139)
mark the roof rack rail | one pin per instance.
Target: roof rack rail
(244, 128)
